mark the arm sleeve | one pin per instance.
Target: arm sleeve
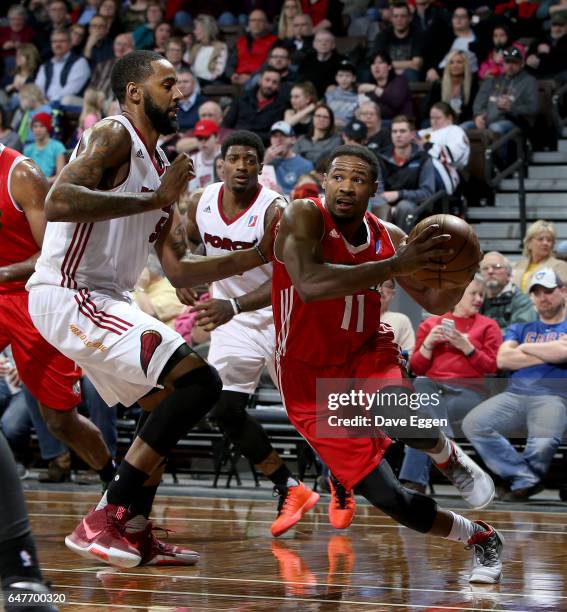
(483, 360)
(528, 102)
(480, 104)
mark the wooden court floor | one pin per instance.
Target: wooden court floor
(374, 565)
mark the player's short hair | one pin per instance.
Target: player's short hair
(362, 153)
(136, 67)
(244, 138)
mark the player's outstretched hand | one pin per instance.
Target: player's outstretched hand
(424, 250)
(213, 313)
(175, 180)
(187, 296)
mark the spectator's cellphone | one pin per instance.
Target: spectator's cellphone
(448, 326)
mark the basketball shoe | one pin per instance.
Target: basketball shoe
(294, 502)
(474, 484)
(487, 547)
(156, 552)
(341, 505)
(101, 535)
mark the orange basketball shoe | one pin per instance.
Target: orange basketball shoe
(341, 505)
(341, 559)
(156, 552)
(294, 502)
(298, 579)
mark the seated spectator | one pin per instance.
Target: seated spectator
(504, 302)
(507, 101)
(64, 77)
(58, 19)
(288, 166)
(321, 139)
(377, 137)
(546, 55)
(32, 101)
(403, 43)
(8, 137)
(78, 38)
(134, 15)
(207, 134)
(186, 325)
(174, 51)
(447, 145)
(464, 39)
(390, 91)
(433, 21)
(458, 88)
(290, 9)
(208, 110)
(279, 58)
(539, 242)
(162, 35)
(87, 11)
(454, 352)
(143, 35)
(407, 172)
(27, 63)
(47, 153)
(404, 336)
(259, 109)
(15, 34)
(302, 40)
(325, 15)
(100, 79)
(109, 10)
(355, 132)
(303, 99)
(253, 47)
(189, 104)
(320, 65)
(536, 354)
(342, 98)
(522, 15)
(208, 55)
(493, 65)
(155, 295)
(92, 112)
(98, 47)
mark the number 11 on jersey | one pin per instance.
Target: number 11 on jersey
(347, 315)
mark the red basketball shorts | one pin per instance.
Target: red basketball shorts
(52, 378)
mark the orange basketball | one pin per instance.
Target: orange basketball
(461, 264)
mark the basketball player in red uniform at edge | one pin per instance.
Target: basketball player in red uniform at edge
(329, 257)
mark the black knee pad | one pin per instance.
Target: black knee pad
(230, 411)
(194, 394)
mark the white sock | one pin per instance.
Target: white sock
(462, 529)
(291, 482)
(443, 455)
(136, 523)
(102, 503)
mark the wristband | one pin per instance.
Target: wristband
(234, 305)
(426, 347)
(260, 254)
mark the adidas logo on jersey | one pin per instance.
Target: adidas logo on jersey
(140, 154)
(334, 234)
(207, 209)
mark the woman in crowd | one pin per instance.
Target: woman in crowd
(447, 144)
(208, 55)
(92, 111)
(109, 10)
(78, 38)
(539, 243)
(144, 34)
(458, 87)
(303, 99)
(493, 65)
(290, 9)
(453, 353)
(162, 35)
(390, 91)
(321, 139)
(27, 63)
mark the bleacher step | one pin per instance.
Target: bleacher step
(550, 157)
(509, 213)
(542, 200)
(503, 246)
(509, 230)
(535, 184)
(547, 172)
(562, 145)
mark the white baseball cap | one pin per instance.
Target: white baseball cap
(282, 126)
(546, 277)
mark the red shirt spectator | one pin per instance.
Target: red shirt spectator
(16, 32)
(253, 47)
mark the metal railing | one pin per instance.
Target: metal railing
(493, 179)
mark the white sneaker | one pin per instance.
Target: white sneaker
(487, 562)
(474, 484)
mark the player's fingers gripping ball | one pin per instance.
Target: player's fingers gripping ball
(463, 253)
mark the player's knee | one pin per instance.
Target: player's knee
(206, 381)
(60, 424)
(230, 411)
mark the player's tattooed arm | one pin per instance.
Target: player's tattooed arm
(28, 187)
(436, 301)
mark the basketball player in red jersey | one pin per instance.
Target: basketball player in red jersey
(51, 378)
(329, 257)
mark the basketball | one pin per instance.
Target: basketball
(461, 263)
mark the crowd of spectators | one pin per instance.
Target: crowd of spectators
(276, 68)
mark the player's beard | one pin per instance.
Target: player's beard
(160, 120)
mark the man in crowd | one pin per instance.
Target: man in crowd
(100, 79)
(321, 64)
(536, 354)
(504, 302)
(99, 47)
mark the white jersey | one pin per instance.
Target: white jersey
(106, 255)
(221, 235)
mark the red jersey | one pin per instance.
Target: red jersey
(16, 239)
(328, 331)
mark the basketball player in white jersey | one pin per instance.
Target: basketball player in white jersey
(231, 216)
(110, 204)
